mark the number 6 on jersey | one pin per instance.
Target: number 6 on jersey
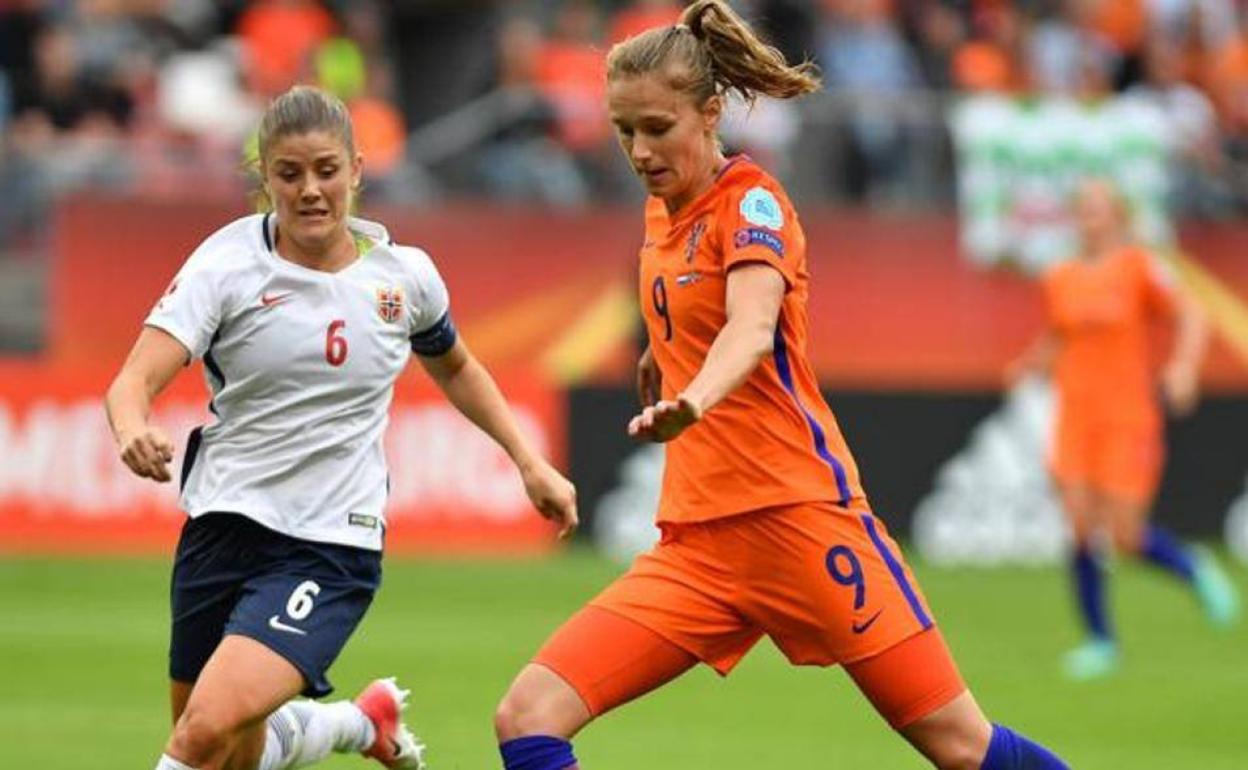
(335, 345)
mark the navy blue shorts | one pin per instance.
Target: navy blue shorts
(300, 599)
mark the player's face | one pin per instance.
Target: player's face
(311, 179)
(1098, 211)
(669, 140)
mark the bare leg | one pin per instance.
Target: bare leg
(222, 724)
(954, 736)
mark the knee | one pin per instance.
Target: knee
(1128, 539)
(959, 751)
(200, 739)
(521, 713)
(529, 708)
(952, 742)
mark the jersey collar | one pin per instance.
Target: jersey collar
(696, 206)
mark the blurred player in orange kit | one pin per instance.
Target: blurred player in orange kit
(765, 527)
(1108, 448)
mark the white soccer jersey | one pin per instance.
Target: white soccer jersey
(301, 364)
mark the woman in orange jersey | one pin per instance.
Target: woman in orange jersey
(1107, 453)
(765, 527)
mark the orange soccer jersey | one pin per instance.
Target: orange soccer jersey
(809, 566)
(773, 441)
(1109, 418)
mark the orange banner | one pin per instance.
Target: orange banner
(63, 488)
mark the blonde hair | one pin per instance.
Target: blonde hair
(712, 51)
(302, 110)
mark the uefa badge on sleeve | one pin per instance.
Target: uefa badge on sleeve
(390, 304)
(760, 207)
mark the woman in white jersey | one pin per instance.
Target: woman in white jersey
(304, 319)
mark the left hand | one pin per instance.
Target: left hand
(1181, 386)
(665, 420)
(552, 495)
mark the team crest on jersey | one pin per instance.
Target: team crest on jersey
(390, 304)
(760, 207)
(695, 236)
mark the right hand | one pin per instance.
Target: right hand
(1181, 385)
(551, 494)
(649, 379)
(147, 453)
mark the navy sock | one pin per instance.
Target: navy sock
(537, 752)
(1164, 550)
(1090, 585)
(1010, 751)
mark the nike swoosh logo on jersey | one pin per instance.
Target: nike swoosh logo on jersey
(268, 300)
(278, 625)
(858, 629)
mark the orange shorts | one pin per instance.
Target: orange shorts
(1122, 461)
(827, 585)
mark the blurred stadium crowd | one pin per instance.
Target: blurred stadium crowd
(504, 99)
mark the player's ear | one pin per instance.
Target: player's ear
(712, 110)
(357, 171)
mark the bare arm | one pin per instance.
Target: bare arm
(1181, 375)
(471, 389)
(752, 304)
(649, 379)
(153, 362)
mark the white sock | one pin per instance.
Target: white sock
(304, 732)
(169, 763)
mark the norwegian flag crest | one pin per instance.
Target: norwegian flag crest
(390, 304)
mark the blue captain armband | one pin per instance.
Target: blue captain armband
(437, 340)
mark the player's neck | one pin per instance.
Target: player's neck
(1095, 250)
(704, 182)
(330, 257)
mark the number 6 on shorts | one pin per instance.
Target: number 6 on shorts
(300, 604)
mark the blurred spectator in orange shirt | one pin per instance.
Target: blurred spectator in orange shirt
(570, 74)
(1121, 23)
(355, 68)
(990, 59)
(381, 135)
(278, 38)
(1229, 79)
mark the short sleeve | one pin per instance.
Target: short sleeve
(1157, 284)
(191, 308)
(432, 331)
(762, 227)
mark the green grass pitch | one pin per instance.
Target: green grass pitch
(82, 660)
